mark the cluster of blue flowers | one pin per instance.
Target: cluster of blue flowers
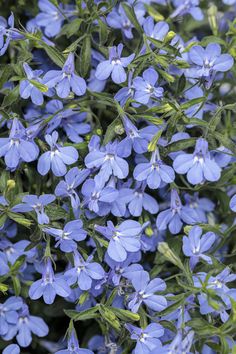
(117, 187)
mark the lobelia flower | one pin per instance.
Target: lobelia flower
(70, 120)
(7, 34)
(199, 166)
(136, 138)
(84, 272)
(67, 188)
(123, 238)
(174, 217)
(184, 7)
(57, 158)
(11, 349)
(28, 87)
(156, 31)
(217, 285)
(145, 292)
(154, 172)
(8, 313)
(50, 17)
(4, 268)
(17, 148)
(73, 346)
(232, 203)
(114, 66)
(196, 244)
(145, 87)
(33, 202)
(66, 79)
(14, 250)
(140, 200)
(66, 239)
(118, 19)
(179, 345)
(26, 325)
(49, 286)
(208, 61)
(97, 197)
(109, 160)
(146, 339)
(125, 93)
(201, 206)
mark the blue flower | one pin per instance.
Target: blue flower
(109, 160)
(146, 87)
(184, 7)
(145, 292)
(174, 217)
(196, 244)
(199, 166)
(66, 239)
(97, 197)
(50, 17)
(201, 206)
(57, 158)
(123, 238)
(28, 87)
(232, 203)
(154, 172)
(66, 79)
(84, 272)
(70, 120)
(136, 138)
(156, 31)
(7, 34)
(117, 19)
(73, 346)
(9, 314)
(67, 188)
(208, 61)
(49, 286)
(4, 268)
(32, 202)
(114, 66)
(146, 339)
(140, 200)
(17, 147)
(11, 349)
(26, 325)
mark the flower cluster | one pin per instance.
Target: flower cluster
(117, 186)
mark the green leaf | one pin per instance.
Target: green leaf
(172, 257)
(153, 143)
(130, 13)
(181, 145)
(55, 212)
(192, 102)
(11, 97)
(103, 32)
(3, 288)
(16, 285)
(71, 28)
(85, 56)
(111, 132)
(19, 219)
(109, 316)
(125, 315)
(41, 87)
(5, 74)
(83, 315)
(16, 266)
